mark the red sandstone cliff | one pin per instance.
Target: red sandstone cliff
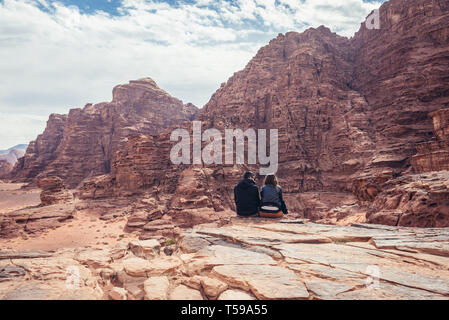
(353, 121)
(420, 198)
(402, 71)
(351, 114)
(84, 142)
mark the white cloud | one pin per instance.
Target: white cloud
(61, 58)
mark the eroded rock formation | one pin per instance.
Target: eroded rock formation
(84, 142)
(53, 191)
(41, 152)
(434, 155)
(34, 220)
(5, 168)
(420, 199)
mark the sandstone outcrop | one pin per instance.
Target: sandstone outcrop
(53, 191)
(283, 84)
(247, 259)
(83, 143)
(41, 152)
(420, 199)
(5, 168)
(45, 276)
(298, 84)
(401, 70)
(34, 220)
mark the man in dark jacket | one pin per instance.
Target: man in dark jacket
(246, 196)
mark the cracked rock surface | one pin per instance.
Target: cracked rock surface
(243, 260)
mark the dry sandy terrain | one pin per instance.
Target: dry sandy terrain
(243, 259)
(86, 229)
(13, 198)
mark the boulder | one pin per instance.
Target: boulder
(53, 191)
(145, 248)
(156, 288)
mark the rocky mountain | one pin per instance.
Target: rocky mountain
(352, 114)
(358, 120)
(363, 150)
(84, 142)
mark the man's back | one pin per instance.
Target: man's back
(246, 196)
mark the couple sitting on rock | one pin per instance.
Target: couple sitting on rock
(267, 204)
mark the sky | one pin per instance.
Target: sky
(59, 55)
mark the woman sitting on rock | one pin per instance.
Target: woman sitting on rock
(273, 206)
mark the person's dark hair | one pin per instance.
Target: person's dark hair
(248, 174)
(271, 180)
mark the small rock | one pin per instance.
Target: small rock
(119, 251)
(11, 272)
(182, 292)
(168, 251)
(164, 265)
(118, 294)
(145, 248)
(136, 267)
(213, 287)
(192, 244)
(95, 259)
(156, 288)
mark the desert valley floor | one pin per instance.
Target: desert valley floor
(239, 259)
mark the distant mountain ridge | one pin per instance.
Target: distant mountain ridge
(13, 155)
(8, 158)
(17, 147)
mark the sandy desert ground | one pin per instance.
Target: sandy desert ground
(85, 229)
(12, 197)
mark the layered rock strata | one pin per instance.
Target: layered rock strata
(53, 191)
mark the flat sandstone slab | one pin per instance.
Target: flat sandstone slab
(266, 282)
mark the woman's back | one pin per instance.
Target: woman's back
(271, 195)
